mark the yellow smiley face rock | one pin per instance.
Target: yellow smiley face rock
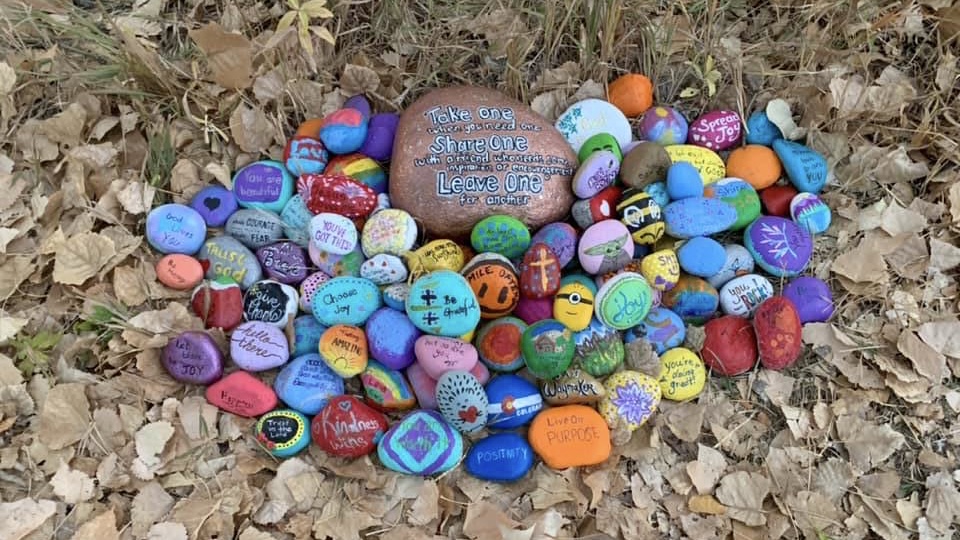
(573, 305)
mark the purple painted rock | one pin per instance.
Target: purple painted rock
(285, 262)
(438, 355)
(305, 155)
(242, 394)
(380, 135)
(531, 310)
(216, 204)
(778, 245)
(595, 174)
(812, 298)
(308, 287)
(561, 238)
(605, 247)
(424, 386)
(422, 443)
(391, 338)
(266, 185)
(664, 126)
(175, 228)
(716, 130)
(540, 272)
(258, 346)
(193, 358)
(359, 103)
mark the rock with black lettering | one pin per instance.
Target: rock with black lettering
(242, 394)
(193, 358)
(574, 386)
(464, 153)
(307, 384)
(255, 228)
(258, 346)
(271, 302)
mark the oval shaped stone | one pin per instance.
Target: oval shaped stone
(284, 262)
(664, 126)
(512, 402)
(601, 142)
(698, 216)
(443, 304)
(438, 355)
(333, 233)
(308, 288)
(344, 349)
(263, 184)
(642, 216)
(494, 281)
(631, 399)
(662, 328)
(729, 346)
(193, 358)
(756, 164)
(599, 349)
(444, 170)
(547, 348)
(348, 427)
(346, 300)
(779, 246)
(307, 384)
(776, 199)
(693, 299)
(682, 376)
(498, 344)
(258, 346)
(561, 238)
(344, 130)
(540, 272)
(424, 386)
(743, 295)
(805, 167)
(462, 401)
(436, 255)
(386, 389)
(592, 116)
(623, 301)
(707, 162)
(306, 335)
(219, 303)
(179, 271)
(716, 130)
(683, 181)
(645, 164)
(811, 213)
(283, 432)
(215, 203)
(336, 265)
(661, 269)
(421, 443)
(255, 228)
(381, 132)
(296, 221)
(778, 328)
(242, 394)
(391, 231)
(175, 228)
(573, 303)
(741, 196)
(737, 262)
(225, 256)
(271, 302)
(570, 436)
(701, 256)
(605, 247)
(305, 155)
(337, 194)
(574, 386)
(812, 298)
(595, 174)
(503, 234)
(500, 457)
(384, 269)
(391, 338)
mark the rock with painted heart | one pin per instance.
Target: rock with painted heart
(572, 387)
(605, 247)
(743, 295)
(443, 304)
(422, 443)
(778, 328)
(271, 302)
(512, 401)
(805, 167)
(225, 256)
(729, 346)
(346, 300)
(595, 174)
(266, 185)
(812, 298)
(193, 358)
(682, 375)
(215, 204)
(384, 269)
(348, 427)
(631, 399)
(242, 394)
(662, 328)
(623, 301)
(779, 246)
(284, 262)
(501, 234)
(344, 348)
(548, 348)
(337, 194)
(283, 432)
(494, 281)
(540, 272)
(498, 344)
(258, 346)
(716, 130)
(642, 216)
(599, 349)
(219, 303)
(661, 269)
(175, 228)
(307, 384)
(561, 238)
(392, 337)
(500, 457)
(664, 126)
(462, 401)
(386, 389)
(449, 180)
(707, 162)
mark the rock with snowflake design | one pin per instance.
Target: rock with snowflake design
(631, 399)
(778, 245)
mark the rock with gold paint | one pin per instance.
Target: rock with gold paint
(344, 349)
(574, 386)
(494, 281)
(386, 389)
(708, 162)
(540, 272)
(573, 303)
(661, 269)
(631, 399)
(682, 376)
(642, 216)
(391, 231)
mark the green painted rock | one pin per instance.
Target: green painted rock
(600, 141)
(599, 349)
(623, 301)
(501, 234)
(741, 196)
(548, 348)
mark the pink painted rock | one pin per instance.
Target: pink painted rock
(218, 303)
(777, 325)
(716, 130)
(540, 272)
(424, 386)
(438, 355)
(348, 427)
(605, 247)
(481, 372)
(242, 394)
(337, 194)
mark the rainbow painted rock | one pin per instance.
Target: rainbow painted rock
(386, 389)
(361, 168)
(422, 443)
(631, 399)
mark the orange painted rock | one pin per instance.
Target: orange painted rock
(344, 349)
(494, 280)
(540, 272)
(631, 93)
(570, 436)
(758, 165)
(778, 328)
(730, 346)
(179, 271)
(310, 128)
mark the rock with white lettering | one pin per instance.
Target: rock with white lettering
(464, 153)
(271, 302)
(348, 427)
(501, 457)
(224, 256)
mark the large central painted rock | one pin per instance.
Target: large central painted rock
(465, 153)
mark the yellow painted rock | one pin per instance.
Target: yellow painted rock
(632, 398)
(573, 305)
(441, 255)
(708, 163)
(682, 376)
(661, 269)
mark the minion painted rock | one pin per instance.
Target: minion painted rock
(573, 303)
(642, 216)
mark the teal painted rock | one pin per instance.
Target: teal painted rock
(741, 196)
(296, 221)
(698, 216)
(443, 304)
(599, 349)
(623, 301)
(422, 443)
(283, 433)
(547, 348)
(264, 184)
(346, 300)
(811, 213)
(501, 457)
(501, 234)
(805, 167)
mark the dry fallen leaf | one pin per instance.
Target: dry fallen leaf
(868, 444)
(358, 80)
(943, 336)
(898, 220)
(230, 55)
(81, 257)
(927, 361)
(72, 486)
(943, 256)
(250, 128)
(706, 470)
(65, 417)
(150, 440)
(137, 197)
(706, 504)
(815, 513)
(485, 521)
(942, 502)
(743, 494)
(150, 504)
(862, 264)
(22, 517)
(102, 527)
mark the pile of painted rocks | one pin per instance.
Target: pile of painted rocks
(381, 336)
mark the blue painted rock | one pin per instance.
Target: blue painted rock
(462, 401)
(283, 433)
(390, 231)
(271, 302)
(255, 228)
(263, 184)
(701, 256)
(741, 196)
(380, 136)
(285, 262)
(631, 399)
(663, 328)
(443, 304)
(664, 126)
(225, 256)
(599, 349)
(494, 281)
(501, 234)
(512, 401)
(811, 213)
(540, 272)
(760, 130)
(258, 346)
(346, 300)
(308, 288)
(693, 299)
(698, 216)
(219, 303)
(779, 246)
(175, 228)
(742, 295)
(386, 389)
(296, 220)
(588, 117)
(193, 358)
(548, 348)
(501, 457)
(595, 174)
(348, 427)
(498, 344)
(805, 167)
(306, 384)
(333, 233)
(605, 247)
(574, 386)
(684, 181)
(361, 168)
(658, 192)
(716, 130)
(600, 207)
(438, 355)
(737, 262)
(215, 203)
(642, 216)
(306, 335)
(242, 394)
(305, 155)
(391, 338)
(344, 131)
(812, 298)
(336, 265)
(395, 296)
(384, 269)
(561, 238)
(337, 194)
(422, 443)
(623, 301)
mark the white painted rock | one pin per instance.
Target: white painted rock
(384, 269)
(586, 118)
(333, 233)
(743, 295)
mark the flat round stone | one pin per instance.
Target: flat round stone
(263, 184)
(175, 228)
(283, 433)
(215, 203)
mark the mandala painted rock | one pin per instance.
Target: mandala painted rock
(498, 344)
(422, 443)
(779, 246)
(631, 399)
(462, 401)
(570, 436)
(443, 304)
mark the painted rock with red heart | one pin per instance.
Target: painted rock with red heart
(462, 400)
(348, 427)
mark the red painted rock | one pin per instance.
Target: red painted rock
(348, 427)
(730, 347)
(776, 200)
(601, 206)
(777, 325)
(218, 303)
(540, 272)
(242, 394)
(337, 194)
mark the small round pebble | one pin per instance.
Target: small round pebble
(216, 204)
(179, 271)
(701, 256)
(664, 126)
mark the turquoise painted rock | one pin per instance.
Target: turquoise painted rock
(658, 191)
(501, 234)
(741, 196)
(623, 301)
(306, 335)
(225, 256)
(263, 184)
(698, 216)
(599, 349)
(395, 296)
(501, 457)
(811, 213)
(422, 443)
(296, 220)
(760, 130)
(175, 228)
(779, 246)
(306, 384)
(443, 304)
(547, 348)
(346, 300)
(805, 167)
(663, 328)
(283, 433)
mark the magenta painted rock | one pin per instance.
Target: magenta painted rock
(193, 358)
(348, 427)
(424, 386)
(605, 247)
(285, 262)
(259, 346)
(438, 355)
(561, 238)
(664, 126)
(540, 272)
(812, 298)
(337, 194)
(595, 174)
(531, 310)
(242, 394)
(778, 330)
(716, 130)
